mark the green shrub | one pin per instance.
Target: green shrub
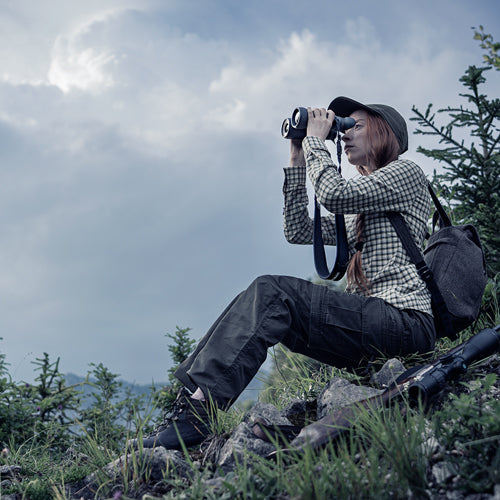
(180, 348)
(469, 429)
(111, 413)
(41, 412)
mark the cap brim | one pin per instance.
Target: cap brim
(344, 106)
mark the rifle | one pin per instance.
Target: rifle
(420, 383)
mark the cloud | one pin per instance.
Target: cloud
(79, 69)
(161, 88)
(141, 159)
(303, 65)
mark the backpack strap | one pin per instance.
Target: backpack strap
(438, 303)
(443, 216)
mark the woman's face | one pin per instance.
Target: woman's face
(356, 146)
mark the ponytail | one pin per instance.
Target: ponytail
(355, 273)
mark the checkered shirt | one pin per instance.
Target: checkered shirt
(400, 186)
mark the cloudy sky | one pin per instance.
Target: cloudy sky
(141, 159)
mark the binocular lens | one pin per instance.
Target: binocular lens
(299, 118)
(290, 132)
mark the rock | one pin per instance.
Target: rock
(388, 374)
(443, 472)
(9, 471)
(430, 445)
(155, 464)
(268, 412)
(156, 461)
(496, 492)
(240, 446)
(339, 393)
(243, 443)
(73, 456)
(300, 412)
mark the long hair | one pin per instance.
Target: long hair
(383, 149)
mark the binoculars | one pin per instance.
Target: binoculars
(296, 126)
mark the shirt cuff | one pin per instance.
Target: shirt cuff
(295, 175)
(312, 142)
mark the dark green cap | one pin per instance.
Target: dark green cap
(343, 106)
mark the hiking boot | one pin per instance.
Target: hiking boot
(188, 421)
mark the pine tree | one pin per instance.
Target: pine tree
(492, 56)
(471, 178)
(180, 349)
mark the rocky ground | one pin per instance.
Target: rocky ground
(221, 453)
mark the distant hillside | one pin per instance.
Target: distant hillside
(251, 392)
(135, 389)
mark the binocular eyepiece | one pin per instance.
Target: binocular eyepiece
(296, 126)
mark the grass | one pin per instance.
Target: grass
(389, 453)
(385, 456)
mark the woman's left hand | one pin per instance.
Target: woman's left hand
(319, 122)
(296, 153)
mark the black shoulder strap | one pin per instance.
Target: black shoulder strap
(438, 303)
(400, 226)
(443, 216)
(341, 248)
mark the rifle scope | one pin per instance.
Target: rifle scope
(480, 346)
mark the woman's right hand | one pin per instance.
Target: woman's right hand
(297, 158)
(319, 122)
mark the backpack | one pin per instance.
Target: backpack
(453, 267)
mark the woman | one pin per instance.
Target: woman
(387, 308)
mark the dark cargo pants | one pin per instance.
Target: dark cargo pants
(333, 327)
